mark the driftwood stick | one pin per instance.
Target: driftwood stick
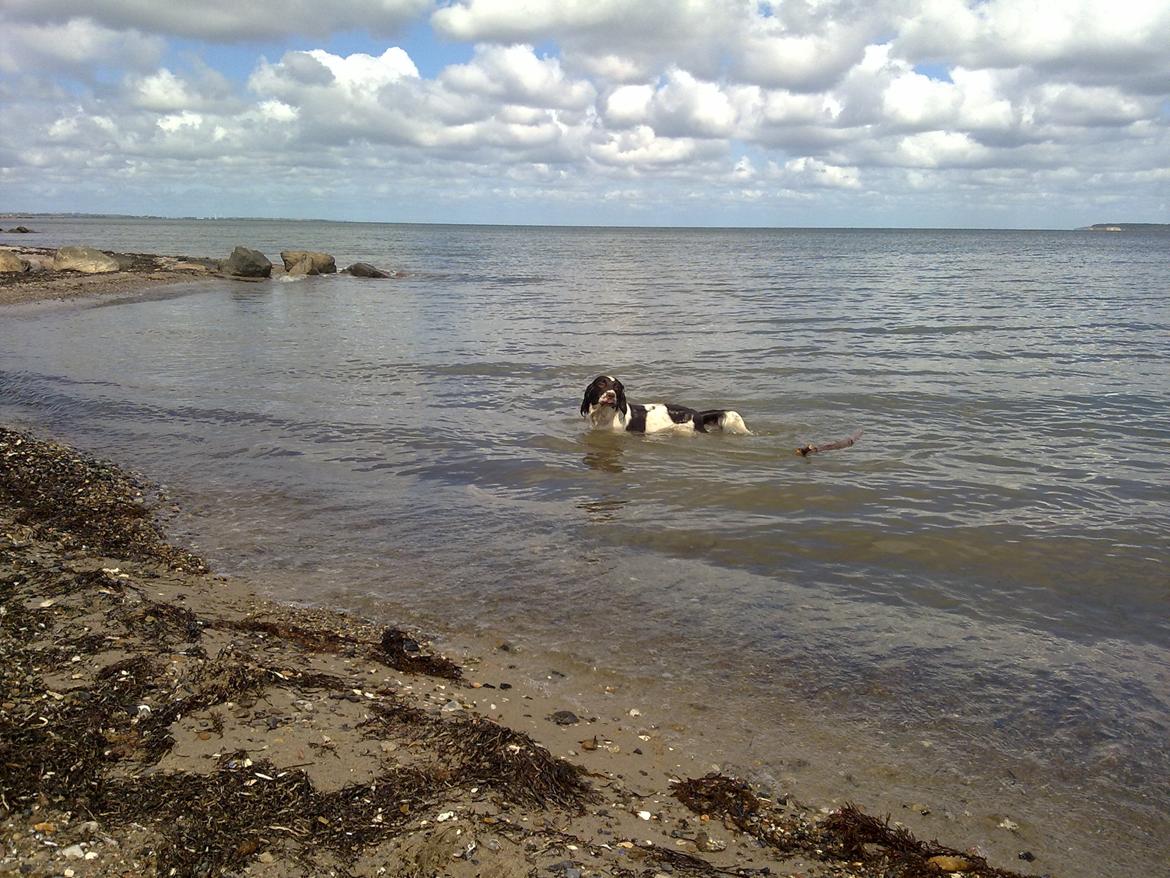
(806, 450)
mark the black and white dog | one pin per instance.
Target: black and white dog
(606, 407)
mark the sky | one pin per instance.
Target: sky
(897, 113)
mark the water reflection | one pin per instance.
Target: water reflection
(604, 452)
(602, 511)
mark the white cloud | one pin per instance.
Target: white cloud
(516, 75)
(1074, 37)
(731, 100)
(77, 45)
(228, 20)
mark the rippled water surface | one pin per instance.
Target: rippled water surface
(987, 568)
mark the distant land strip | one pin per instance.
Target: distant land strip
(1127, 227)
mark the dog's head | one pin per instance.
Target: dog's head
(603, 390)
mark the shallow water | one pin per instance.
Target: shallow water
(986, 569)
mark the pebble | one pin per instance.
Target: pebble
(565, 718)
(452, 706)
(1009, 824)
(73, 852)
(950, 864)
(704, 842)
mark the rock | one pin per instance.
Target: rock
(247, 263)
(73, 852)
(86, 260)
(21, 230)
(10, 263)
(307, 262)
(364, 269)
(704, 842)
(1026, 856)
(950, 864)
(565, 718)
(187, 265)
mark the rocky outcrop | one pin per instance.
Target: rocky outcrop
(86, 260)
(11, 263)
(364, 269)
(21, 230)
(307, 262)
(247, 263)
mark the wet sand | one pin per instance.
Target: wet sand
(159, 719)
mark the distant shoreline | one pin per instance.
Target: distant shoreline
(11, 216)
(1162, 228)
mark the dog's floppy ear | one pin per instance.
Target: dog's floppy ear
(620, 391)
(592, 394)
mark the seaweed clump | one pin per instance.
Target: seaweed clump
(84, 501)
(896, 851)
(479, 752)
(217, 823)
(846, 836)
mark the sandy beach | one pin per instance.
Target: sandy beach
(160, 719)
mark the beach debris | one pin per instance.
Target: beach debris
(1009, 824)
(844, 835)
(68, 495)
(401, 652)
(565, 718)
(806, 450)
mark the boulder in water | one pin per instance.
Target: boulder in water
(307, 262)
(247, 263)
(364, 269)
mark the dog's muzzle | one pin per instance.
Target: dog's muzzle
(607, 398)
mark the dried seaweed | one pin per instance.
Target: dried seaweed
(846, 836)
(217, 823)
(306, 639)
(897, 852)
(395, 648)
(164, 622)
(494, 756)
(479, 752)
(402, 653)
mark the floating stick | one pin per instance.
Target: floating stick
(806, 450)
